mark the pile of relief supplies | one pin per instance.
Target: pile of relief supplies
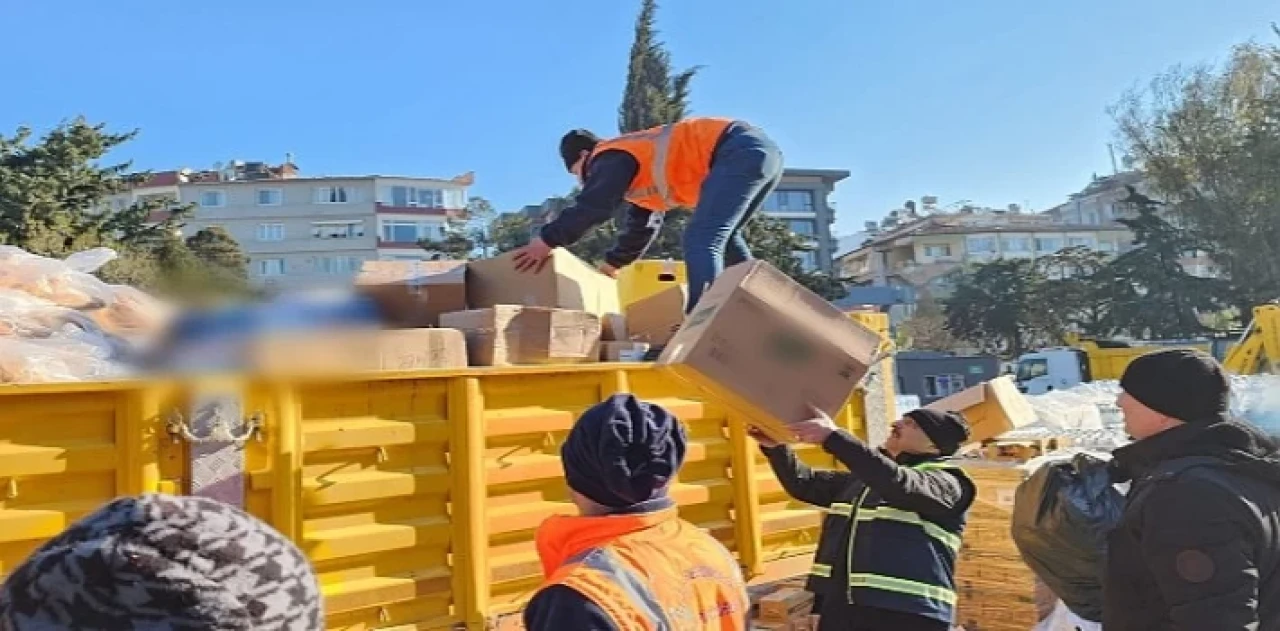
(59, 322)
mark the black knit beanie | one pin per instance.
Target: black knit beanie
(947, 430)
(623, 452)
(574, 143)
(1185, 384)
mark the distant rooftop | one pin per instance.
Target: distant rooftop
(239, 171)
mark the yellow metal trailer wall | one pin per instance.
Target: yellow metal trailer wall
(416, 495)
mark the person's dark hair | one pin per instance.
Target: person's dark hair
(574, 143)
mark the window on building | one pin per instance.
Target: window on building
(980, 245)
(337, 229)
(937, 386)
(338, 265)
(270, 267)
(1076, 242)
(400, 231)
(213, 199)
(785, 201)
(1015, 244)
(455, 198)
(335, 195)
(803, 227)
(270, 197)
(937, 250)
(1048, 244)
(413, 197)
(270, 232)
(1107, 246)
(808, 259)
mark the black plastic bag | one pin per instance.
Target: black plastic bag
(1061, 517)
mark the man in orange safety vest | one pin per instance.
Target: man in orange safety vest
(721, 169)
(628, 562)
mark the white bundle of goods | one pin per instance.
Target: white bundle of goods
(58, 322)
(1088, 414)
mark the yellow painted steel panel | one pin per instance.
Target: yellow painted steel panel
(416, 495)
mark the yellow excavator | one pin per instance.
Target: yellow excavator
(1258, 350)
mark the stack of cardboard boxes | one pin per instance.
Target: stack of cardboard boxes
(787, 609)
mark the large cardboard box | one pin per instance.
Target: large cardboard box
(357, 350)
(565, 283)
(992, 408)
(508, 335)
(766, 347)
(656, 318)
(412, 294)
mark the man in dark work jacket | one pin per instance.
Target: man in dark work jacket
(901, 509)
(1198, 548)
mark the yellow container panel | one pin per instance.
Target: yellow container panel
(646, 278)
(416, 495)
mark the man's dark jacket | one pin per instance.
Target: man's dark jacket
(928, 492)
(1198, 547)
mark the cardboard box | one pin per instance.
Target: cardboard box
(656, 318)
(766, 347)
(992, 408)
(613, 327)
(357, 350)
(786, 604)
(565, 283)
(623, 351)
(509, 335)
(412, 294)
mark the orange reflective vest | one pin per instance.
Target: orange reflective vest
(674, 160)
(648, 572)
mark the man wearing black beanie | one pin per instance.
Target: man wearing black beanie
(628, 556)
(886, 556)
(1198, 546)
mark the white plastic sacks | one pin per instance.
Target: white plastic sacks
(1255, 398)
(58, 322)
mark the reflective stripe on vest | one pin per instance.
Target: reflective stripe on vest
(661, 138)
(908, 517)
(894, 584)
(821, 569)
(903, 586)
(603, 560)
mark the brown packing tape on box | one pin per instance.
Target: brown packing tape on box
(992, 408)
(766, 347)
(413, 294)
(566, 282)
(508, 335)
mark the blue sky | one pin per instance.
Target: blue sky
(993, 101)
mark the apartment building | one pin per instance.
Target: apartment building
(802, 200)
(917, 254)
(1101, 203)
(310, 231)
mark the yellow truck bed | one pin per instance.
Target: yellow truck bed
(415, 494)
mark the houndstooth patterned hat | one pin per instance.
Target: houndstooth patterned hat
(161, 563)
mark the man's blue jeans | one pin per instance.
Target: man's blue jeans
(747, 167)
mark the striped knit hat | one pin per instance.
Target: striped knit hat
(160, 563)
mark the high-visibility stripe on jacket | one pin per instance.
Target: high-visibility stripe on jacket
(674, 160)
(901, 560)
(668, 577)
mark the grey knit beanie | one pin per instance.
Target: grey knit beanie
(164, 563)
